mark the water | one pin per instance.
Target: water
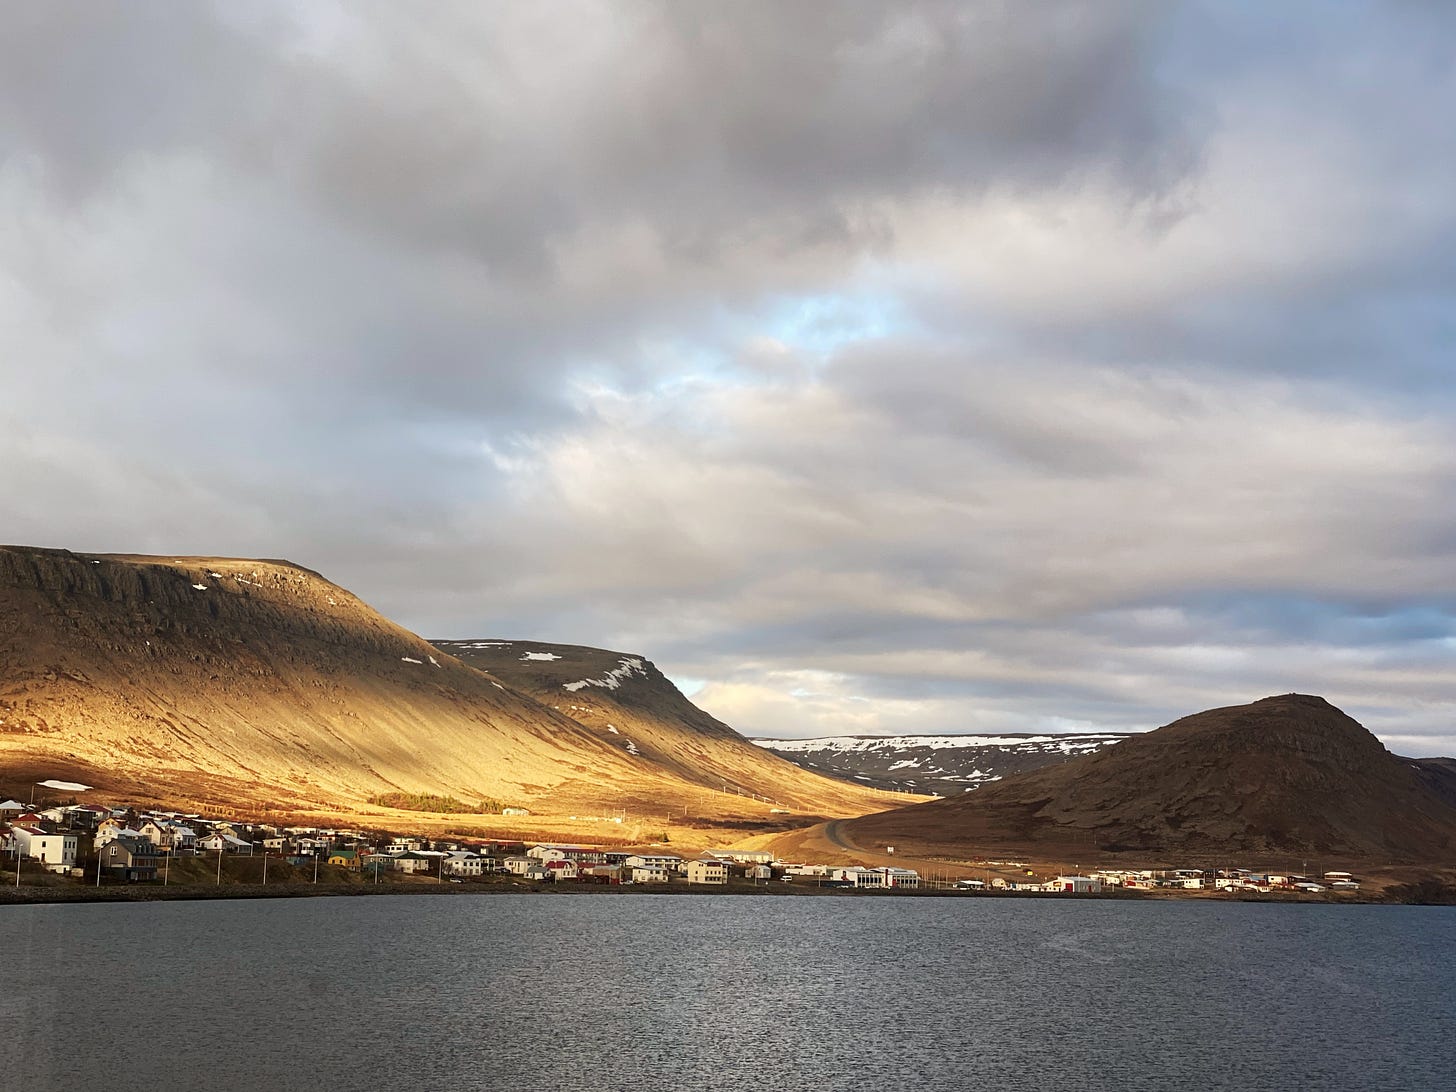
(723, 992)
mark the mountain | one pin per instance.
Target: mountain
(214, 680)
(1284, 775)
(938, 765)
(630, 706)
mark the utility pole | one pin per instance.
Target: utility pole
(219, 866)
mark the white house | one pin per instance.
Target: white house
(464, 864)
(666, 861)
(56, 851)
(746, 856)
(227, 843)
(111, 830)
(650, 874)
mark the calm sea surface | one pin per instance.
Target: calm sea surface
(708, 992)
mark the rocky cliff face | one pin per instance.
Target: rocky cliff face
(1287, 774)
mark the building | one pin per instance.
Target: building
(161, 834)
(344, 858)
(746, 856)
(56, 851)
(132, 860)
(411, 863)
(649, 874)
(221, 841)
(1078, 885)
(464, 864)
(707, 870)
(545, 852)
(666, 861)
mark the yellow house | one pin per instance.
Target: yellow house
(707, 871)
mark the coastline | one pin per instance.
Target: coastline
(56, 896)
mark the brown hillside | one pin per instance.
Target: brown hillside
(1289, 774)
(630, 706)
(222, 680)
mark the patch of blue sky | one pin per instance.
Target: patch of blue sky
(688, 684)
(821, 325)
(1293, 618)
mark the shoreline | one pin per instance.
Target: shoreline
(57, 896)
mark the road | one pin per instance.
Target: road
(836, 837)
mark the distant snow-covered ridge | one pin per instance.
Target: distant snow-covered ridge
(850, 744)
(935, 765)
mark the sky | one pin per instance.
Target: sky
(872, 368)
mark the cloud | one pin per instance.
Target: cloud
(935, 365)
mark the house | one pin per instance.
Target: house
(806, 870)
(110, 828)
(86, 817)
(746, 856)
(344, 858)
(159, 832)
(56, 851)
(707, 870)
(514, 811)
(464, 864)
(562, 851)
(411, 863)
(563, 870)
(519, 866)
(648, 874)
(668, 862)
(1082, 885)
(222, 842)
(130, 859)
(184, 839)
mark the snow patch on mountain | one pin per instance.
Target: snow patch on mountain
(613, 678)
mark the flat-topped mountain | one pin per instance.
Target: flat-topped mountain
(942, 765)
(224, 680)
(1288, 774)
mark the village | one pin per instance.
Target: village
(99, 845)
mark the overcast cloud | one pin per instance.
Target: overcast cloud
(870, 367)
